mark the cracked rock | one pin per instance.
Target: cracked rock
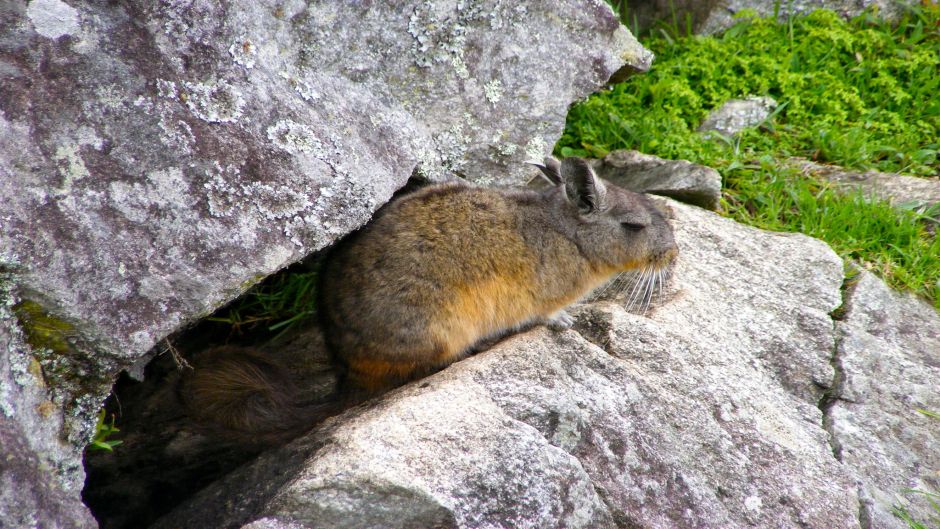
(889, 358)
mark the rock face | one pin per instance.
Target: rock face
(679, 179)
(701, 413)
(888, 359)
(157, 159)
(40, 476)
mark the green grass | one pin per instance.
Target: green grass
(273, 306)
(859, 93)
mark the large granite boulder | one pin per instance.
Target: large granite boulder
(158, 158)
(703, 412)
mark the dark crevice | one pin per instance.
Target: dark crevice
(834, 392)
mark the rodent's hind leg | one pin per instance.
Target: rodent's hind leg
(559, 321)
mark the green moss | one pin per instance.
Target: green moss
(42, 330)
(859, 93)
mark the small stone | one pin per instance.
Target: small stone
(738, 114)
(679, 179)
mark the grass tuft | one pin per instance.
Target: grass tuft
(273, 306)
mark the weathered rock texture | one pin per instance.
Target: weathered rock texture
(908, 191)
(33, 459)
(157, 158)
(678, 179)
(888, 359)
(702, 413)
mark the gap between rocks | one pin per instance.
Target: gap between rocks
(833, 393)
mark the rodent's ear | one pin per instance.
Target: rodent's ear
(550, 171)
(582, 186)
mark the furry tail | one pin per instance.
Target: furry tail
(239, 395)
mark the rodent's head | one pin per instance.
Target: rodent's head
(615, 228)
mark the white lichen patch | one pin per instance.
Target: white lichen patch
(70, 165)
(167, 89)
(110, 97)
(460, 67)
(244, 52)
(439, 37)
(176, 133)
(306, 91)
(536, 149)
(88, 136)
(215, 102)
(753, 503)
(166, 190)
(53, 18)
(493, 91)
(275, 202)
(295, 138)
(221, 195)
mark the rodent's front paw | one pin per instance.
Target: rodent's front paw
(560, 321)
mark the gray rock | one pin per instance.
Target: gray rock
(40, 476)
(901, 190)
(157, 159)
(679, 179)
(889, 367)
(738, 114)
(702, 413)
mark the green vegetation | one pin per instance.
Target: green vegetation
(273, 306)
(859, 93)
(102, 431)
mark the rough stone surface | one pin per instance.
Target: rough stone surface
(158, 158)
(678, 179)
(738, 114)
(40, 475)
(908, 191)
(701, 413)
(889, 367)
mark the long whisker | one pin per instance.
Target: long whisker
(638, 289)
(650, 286)
(607, 287)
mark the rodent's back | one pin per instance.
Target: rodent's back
(440, 269)
(434, 272)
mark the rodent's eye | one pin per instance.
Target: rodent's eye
(632, 226)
